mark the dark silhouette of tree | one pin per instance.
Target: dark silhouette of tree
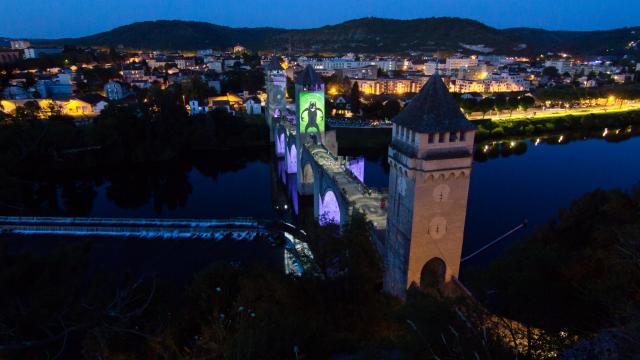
(485, 105)
(355, 99)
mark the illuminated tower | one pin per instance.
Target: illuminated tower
(310, 114)
(276, 86)
(310, 106)
(430, 161)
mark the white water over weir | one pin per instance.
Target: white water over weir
(130, 226)
(297, 255)
(216, 229)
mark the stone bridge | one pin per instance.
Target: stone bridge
(337, 192)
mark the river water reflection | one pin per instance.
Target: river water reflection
(248, 183)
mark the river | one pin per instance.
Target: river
(504, 190)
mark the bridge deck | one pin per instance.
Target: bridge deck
(366, 200)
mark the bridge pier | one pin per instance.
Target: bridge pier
(291, 159)
(280, 142)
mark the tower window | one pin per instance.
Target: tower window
(431, 136)
(461, 135)
(413, 137)
(441, 137)
(453, 137)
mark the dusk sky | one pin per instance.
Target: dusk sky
(72, 18)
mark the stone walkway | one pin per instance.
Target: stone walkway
(370, 202)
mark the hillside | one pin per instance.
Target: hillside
(388, 35)
(174, 34)
(364, 35)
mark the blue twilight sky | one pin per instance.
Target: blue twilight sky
(71, 18)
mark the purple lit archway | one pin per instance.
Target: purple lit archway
(356, 166)
(292, 165)
(329, 210)
(280, 144)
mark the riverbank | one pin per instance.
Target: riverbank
(584, 125)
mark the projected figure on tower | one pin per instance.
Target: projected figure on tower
(312, 117)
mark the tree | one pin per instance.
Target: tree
(195, 89)
(391, 108)
(512, 104)
(577, 258)
(526, 102)
(291, 88)
(500, 103)
(355, 99)
(373, 109)
(551, 72)
(485, 105)
(469, 105)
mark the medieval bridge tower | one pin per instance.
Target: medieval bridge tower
(430, 157)
(276, 86)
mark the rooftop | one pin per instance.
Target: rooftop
(308, 76)
(433, 110)
(274, 64)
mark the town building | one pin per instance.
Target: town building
(253, 106)
(132, 72)
(10, 56)
(56, 87)
(563, 65)
(392, 85)
(185, 62)
(239, 49)
(116, 90)
(34, 53)
(366, 72)
(457, 63)
(19, 44)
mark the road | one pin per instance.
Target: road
(555, 112)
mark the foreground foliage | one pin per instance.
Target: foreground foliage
(60, 306)
(577, 276)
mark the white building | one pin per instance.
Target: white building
(458, 63)
(29, 53)
(562, 65)
(115, 90)
(253, 106)
(215, 66)
(333, 64)
(185, 63)
(19, 44)
(195, 108)
(204, 52)
(58, 87)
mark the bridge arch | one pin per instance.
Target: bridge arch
(281, 142)
(433, 273)
(292, 159)
(329, 209)
(307, 173)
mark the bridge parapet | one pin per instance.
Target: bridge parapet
(332, 174)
